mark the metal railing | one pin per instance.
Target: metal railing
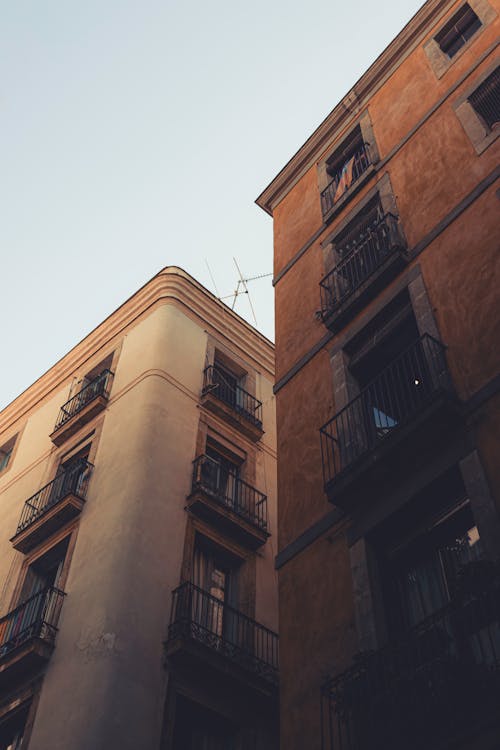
(97, 387)
(37, 617)
(214, 478)
(362, 257)
(442, 677)
(216, 381)
(486, 99)
(345, 176)
(198, 615)
(73, 479)
(396, 396)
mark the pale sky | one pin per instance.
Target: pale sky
(137, 135)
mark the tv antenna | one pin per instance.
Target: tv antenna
(241, 287)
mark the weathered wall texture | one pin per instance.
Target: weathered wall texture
(106, 679)
(448, 204)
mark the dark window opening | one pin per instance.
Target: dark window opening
(12, 729)
(486, 99)
(355, 232)
(227, 383)
(423, 549)
(46, 571)
(344, 167)
(6, 451)
(389, 380)
(198, 728)
(215, 571)
(458, 30)
(220, 475)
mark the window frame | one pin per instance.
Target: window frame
(460, 34)
(7, 453)
(476, 129)
(439, 61)
(334, 156)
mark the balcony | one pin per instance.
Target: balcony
(82, 407)
(390, 423)
(370, 261)
(205, 631)
(232, 505)
(436, 688)
(54, 505)
(346, 177)
(27, 635)
(228, 400)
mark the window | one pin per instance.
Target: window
(226, 381)
(220, 475)
(12, 729)
(39, 602)
(215, 577)
(457, 34)
(486, 100)
(45, 571)
(6, 451)
(357, 252)
(344, 167)
(478, 109)
(227, 384)
(197, 728)
(459, 29)
(427, 544)
(72, 476)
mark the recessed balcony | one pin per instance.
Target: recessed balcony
(27, 635)
(369, 262)
(346, 170)
(436, 687)
(232, 505)
(231, 402)
(54, 505)
(205, 632)
(410, 404)
(82, 407)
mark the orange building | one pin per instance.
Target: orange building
(387, 276)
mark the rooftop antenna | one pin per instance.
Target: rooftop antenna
(242, 288)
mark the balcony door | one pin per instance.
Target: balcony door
(216, 577)
(197, 728)
(426, 570)
(393, 378)
(221, 475)
(36, 604)
(12, 729)
(46, 571)
(71, 475)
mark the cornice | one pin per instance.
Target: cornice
(171, 286)
(352, 104)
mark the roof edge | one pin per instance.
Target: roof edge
(354, 100)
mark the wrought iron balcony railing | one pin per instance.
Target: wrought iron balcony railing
(199, 616)
(362, 258)
(351, 169)
(37, 617)
(97, 387)
(442, 677)
(212, 477)
(216, 381)
(72, 480)
(397, 395)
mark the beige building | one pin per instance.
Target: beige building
(138, 599)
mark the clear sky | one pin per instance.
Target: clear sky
(137, 134)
